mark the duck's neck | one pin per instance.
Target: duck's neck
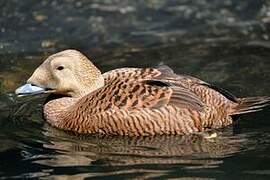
(63, 112)
(85, 88)
(55, 111)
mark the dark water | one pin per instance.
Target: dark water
(224, 42)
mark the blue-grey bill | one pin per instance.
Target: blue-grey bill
(28, 89)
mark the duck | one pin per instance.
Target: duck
(131, 101)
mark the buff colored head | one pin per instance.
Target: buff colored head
(68, 72)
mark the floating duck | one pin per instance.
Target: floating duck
(131, 101)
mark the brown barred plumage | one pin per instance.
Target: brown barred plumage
(133, 101)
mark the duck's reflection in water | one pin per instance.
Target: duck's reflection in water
(139, 154)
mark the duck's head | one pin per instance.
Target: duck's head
(68, 73)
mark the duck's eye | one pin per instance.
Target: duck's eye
(60, 68)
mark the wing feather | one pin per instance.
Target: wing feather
(132, 88)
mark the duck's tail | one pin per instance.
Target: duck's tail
(250, 104)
